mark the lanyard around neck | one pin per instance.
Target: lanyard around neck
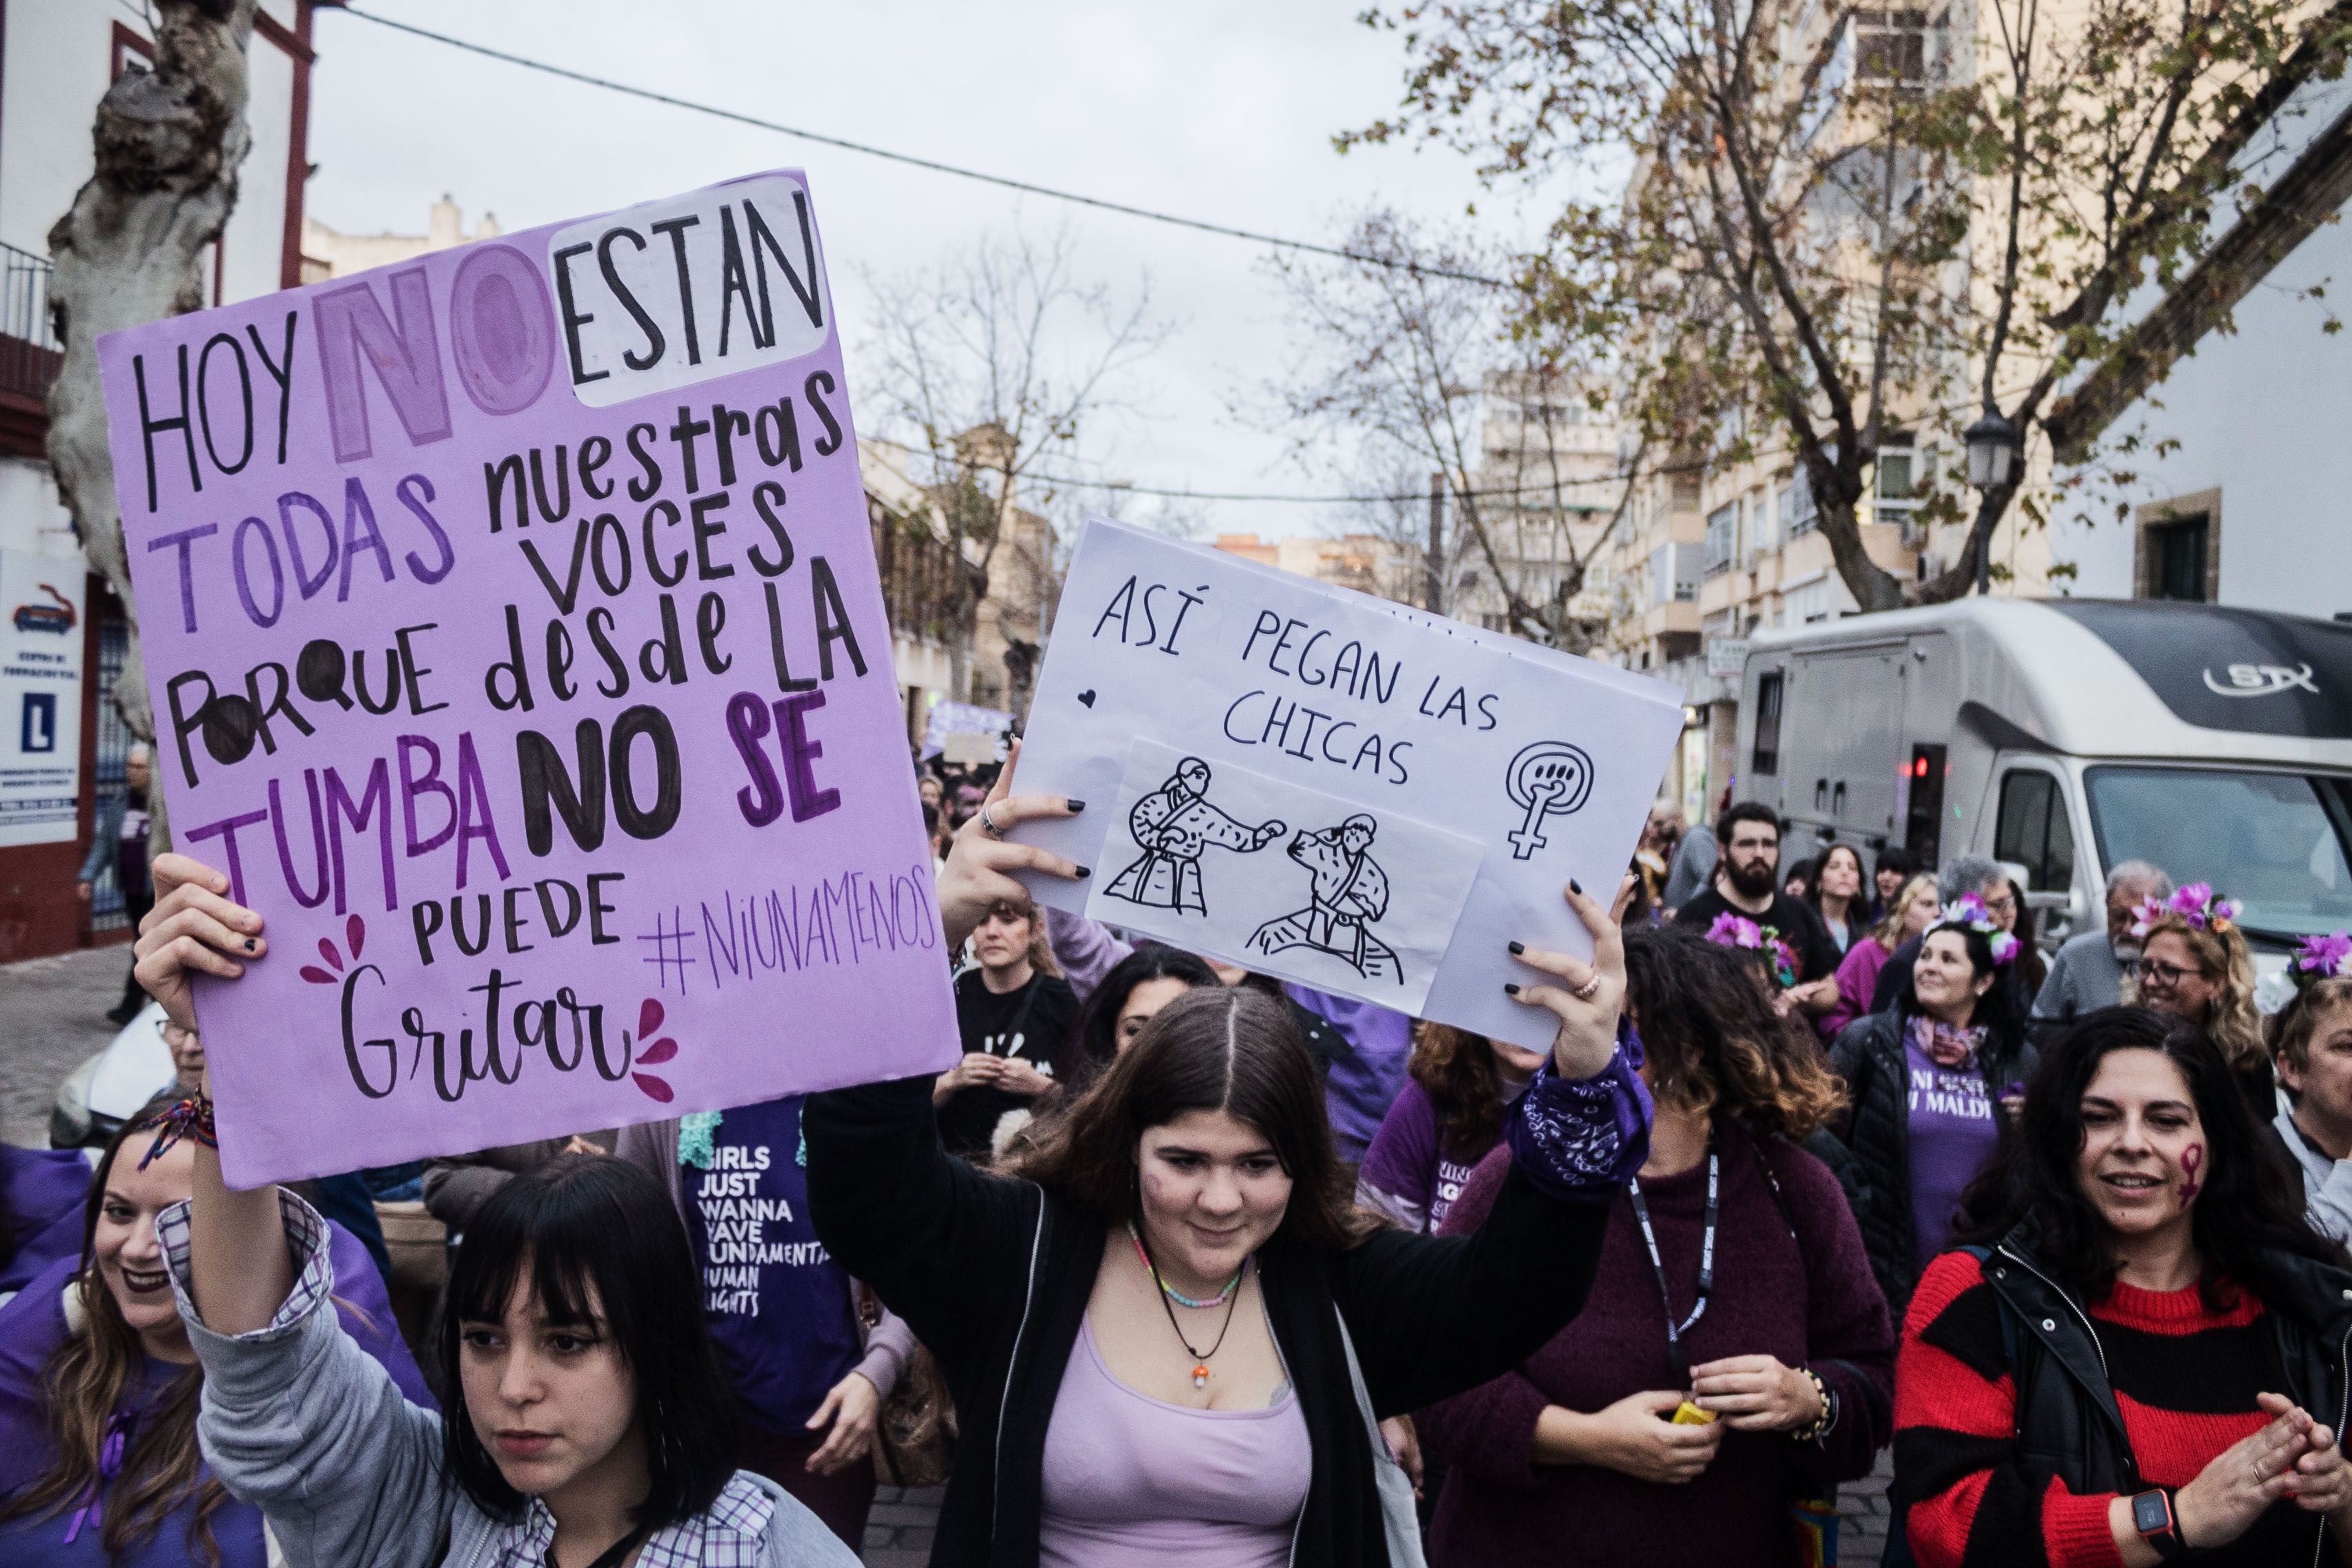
(1674, 1332)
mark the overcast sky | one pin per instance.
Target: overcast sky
(1221, 110)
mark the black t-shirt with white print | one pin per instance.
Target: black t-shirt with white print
(1030, 1022)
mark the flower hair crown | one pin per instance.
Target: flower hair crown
(2321, 958)
(1968, 914)
(1739, 932)
(2197, 904)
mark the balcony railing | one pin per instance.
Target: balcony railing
(29, 351)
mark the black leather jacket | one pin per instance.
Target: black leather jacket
(2068, 1424)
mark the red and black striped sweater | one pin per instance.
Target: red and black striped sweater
(2184, 1378)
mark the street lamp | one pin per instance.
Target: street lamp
(1992, 454)
(1992, 451)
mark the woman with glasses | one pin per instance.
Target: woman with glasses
(2194, 964)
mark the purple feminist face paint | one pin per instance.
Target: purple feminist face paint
(518, 650)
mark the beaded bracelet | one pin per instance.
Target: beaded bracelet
(1821, 1426)
(188, 1117)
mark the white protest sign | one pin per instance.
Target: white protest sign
(1480, 759)
(1345, 899)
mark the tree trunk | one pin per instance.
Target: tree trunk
(1873, 586)
(1959, 579)
(129, 251)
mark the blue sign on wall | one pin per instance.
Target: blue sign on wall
(39, 731)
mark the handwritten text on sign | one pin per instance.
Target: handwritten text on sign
(517, 647)
(1418, 732)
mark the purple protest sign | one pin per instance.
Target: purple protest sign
(517, 647)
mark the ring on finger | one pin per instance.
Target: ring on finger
(988, 825)
(1584, 992)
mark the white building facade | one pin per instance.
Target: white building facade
(2245, 474)
(57, 58)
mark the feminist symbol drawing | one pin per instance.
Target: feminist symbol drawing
(1349, 891)
(1173, 826)
(1549, 778)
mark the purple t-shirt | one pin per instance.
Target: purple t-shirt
(776, 1301)
(1360, 1088)
(1952, 1135)
(1407, 1165)
(41, 1193)
(33, 1324)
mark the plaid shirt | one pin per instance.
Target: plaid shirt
(727, 1535)
(306, 1233)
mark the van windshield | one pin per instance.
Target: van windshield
(2277, 843)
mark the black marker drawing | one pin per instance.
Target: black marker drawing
(1174, 823)
(1549, 778)
(1349, 892)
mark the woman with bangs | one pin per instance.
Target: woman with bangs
(1734, 1356)
(591, 1424)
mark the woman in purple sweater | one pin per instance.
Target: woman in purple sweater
(1786, 1343)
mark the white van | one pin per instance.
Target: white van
(2066, 736)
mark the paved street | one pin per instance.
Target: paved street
(54, 1011)
(899, 1532)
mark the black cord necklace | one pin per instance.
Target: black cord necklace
(1199, 1358)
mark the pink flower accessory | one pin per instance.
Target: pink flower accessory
(2199, 906)
(1734, 930)
(2321, 958)
(1968, 914)
(1738, 931)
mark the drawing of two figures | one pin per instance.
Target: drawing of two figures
(1177, 823)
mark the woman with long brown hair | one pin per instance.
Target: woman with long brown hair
(1167, 1331)
(1734, 1354)
(98, 1385)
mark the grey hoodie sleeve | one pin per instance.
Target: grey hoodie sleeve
(301, 1422)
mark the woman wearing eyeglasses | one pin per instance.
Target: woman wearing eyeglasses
(2194, 964)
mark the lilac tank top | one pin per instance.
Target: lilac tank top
(1134, 1482)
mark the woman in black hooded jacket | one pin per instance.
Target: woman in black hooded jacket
(1955, 1037)
(1026, 1291)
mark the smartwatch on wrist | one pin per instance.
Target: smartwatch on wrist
(2153, 1515)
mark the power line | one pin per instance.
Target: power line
(1482, 493)
(1099, 203)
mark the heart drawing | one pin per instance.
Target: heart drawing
(1087, 697)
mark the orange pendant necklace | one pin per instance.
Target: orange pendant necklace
(1230, 1296)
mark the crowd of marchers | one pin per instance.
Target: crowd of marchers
(1187, 1265)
